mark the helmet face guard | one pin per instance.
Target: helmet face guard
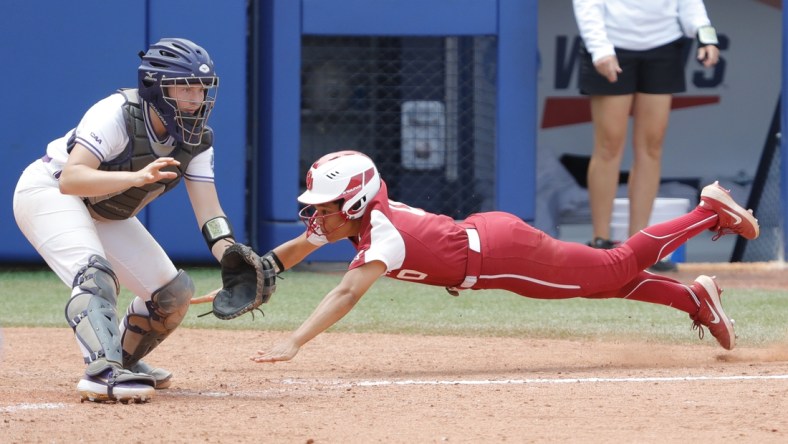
(190, 125)
(315, 224)
(175, 62)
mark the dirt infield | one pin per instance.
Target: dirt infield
(405, 389)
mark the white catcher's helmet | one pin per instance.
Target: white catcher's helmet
(348, 175)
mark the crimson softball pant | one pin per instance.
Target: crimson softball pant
(522, 259)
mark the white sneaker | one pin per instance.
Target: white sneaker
(116, 385)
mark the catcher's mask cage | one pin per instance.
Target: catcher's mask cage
(178, 62)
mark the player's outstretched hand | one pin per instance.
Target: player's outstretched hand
(282, 351)
(153, 171)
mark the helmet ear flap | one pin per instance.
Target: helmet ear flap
(358, 204)
(354, 211)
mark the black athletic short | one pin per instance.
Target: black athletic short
(654, 71)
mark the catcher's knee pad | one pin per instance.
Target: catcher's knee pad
(144, 328)
(91, 311)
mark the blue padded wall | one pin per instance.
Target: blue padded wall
(75, 54)
(222, 32)
(57, 65)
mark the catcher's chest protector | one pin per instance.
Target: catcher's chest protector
(137, 154)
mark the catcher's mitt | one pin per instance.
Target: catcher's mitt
(247, 282)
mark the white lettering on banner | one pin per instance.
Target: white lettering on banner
(411, 275)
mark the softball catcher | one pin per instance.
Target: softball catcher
(77, 205)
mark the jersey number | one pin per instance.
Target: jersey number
(408, 275)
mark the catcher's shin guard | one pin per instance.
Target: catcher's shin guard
(148, 323)
(91, 311)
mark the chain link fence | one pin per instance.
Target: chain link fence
(768, 210)
(423, 108)
(766, 201)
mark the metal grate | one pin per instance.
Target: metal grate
(423, 108)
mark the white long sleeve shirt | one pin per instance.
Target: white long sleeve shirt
(636, 24)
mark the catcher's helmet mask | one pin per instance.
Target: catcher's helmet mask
(178, 62)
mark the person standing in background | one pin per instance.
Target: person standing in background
(632, 63)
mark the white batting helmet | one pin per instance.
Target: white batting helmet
(348, 175)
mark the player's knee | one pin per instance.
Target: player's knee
(169, 304)
(98, 278)
(143, 331)
(97, 290)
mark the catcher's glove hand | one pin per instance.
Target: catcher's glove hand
(247, 282)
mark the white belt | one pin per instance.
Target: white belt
(473, 240)
(474, 246)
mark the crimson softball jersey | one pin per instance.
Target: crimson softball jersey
(497, 250)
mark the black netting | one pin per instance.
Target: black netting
(766, 201)
(768, 246)
(423, 108)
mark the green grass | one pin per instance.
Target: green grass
(36, 298)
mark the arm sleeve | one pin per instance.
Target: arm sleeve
(382, 243)
(102, 129)
(200, 169)
(692, 15)
(590, 17)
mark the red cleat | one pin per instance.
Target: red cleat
(733, 218)
(710, 313)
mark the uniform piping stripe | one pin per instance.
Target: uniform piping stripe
(691, 227)
(529, 279)
(95, 151)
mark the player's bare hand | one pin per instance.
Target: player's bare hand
(282, 351)
(608, 68)
(153, 171)
(708, 55)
